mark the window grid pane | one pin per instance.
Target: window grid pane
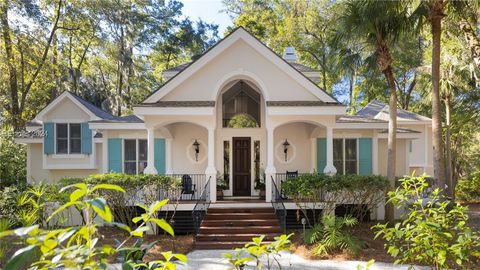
(75, 145)
(351, 156)
(338, 155)
(130, 156)
(62, 138)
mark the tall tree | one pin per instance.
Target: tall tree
(379, 25)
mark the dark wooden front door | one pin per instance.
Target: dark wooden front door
(241, 166)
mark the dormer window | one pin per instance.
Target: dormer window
(69, 138)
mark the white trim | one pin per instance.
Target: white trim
(305, 110)
(28, 140)
(239, 34)
(54, 103)
(375, 153)
(68, 156)
(116, 126)
(401, 135)
(174, 110)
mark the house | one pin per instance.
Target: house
(189, 127)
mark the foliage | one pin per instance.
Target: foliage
(331, 235)
(9, 209)
(257, 251)
(222, 183)
(242, 121)
(13, 159)
(468, 189)
(143, 188)
(76, 247)
(434, 230)
(358, 190)
(4, 226)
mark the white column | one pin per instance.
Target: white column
(150, 169)
(211, 171)
(270, 169)
(329, 168)
(168, 161)
(313, 156)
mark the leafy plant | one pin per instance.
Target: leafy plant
(13, 159)
(4, 226)
(258, 250)
(434, 230)
(76, 247)
(242, 121)
(222, 184)
(331, 235)
(468, 188)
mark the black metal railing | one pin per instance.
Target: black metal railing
(279, 206)
(189, 190)
(201, 207)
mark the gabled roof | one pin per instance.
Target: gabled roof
(239, 33)
(379, 110)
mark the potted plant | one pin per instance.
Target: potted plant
(221, 185)
(260, 184)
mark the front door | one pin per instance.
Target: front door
(241, 166)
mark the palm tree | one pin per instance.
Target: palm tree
(379, 25)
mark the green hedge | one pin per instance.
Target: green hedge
(124, 180)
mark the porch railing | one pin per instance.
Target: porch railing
(279, 206)
(280, 178)
(201, 207)
(190, 188)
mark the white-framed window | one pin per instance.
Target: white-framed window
(134, 156)
(68, 138)
(345, 156)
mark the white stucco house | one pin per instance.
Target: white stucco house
(184, 127)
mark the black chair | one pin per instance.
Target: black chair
(187, 186)
(291, 174)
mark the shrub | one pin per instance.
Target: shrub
(332, 235)
(13, 160)
(468, 189)
(242, 121)
(364, 192)
(434, 231)
(8, 204)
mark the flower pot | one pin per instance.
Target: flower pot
(262, 194)
(220, 194)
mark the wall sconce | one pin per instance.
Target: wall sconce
(285, 148)
(196, 147)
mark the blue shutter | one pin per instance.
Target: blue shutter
(159, 148)
(49, 138)
(321, 154)
(115, 155)
(365, 156)
(86, 139)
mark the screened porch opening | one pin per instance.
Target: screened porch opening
(241, 106)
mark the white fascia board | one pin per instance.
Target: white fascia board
(414, 122)
(306, 110)
(28, 140)
(361, 125)
(174, 110)
(222, 46)
(402, 135)
(98, 126)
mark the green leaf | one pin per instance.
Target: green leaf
(181, 257)
(100, 207)
(109, 187)
(77, 194)
(139, 231)
(25, 230)
(63, 207)
(136, 219)
(121, 226)
(20, 257)
(164, 225)
(157, 205)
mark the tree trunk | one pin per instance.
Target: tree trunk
(13, 108)
(392, 141)
(436, 15)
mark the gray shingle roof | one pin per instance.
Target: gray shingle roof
(357, 119)
(300, 103)
(379, 110)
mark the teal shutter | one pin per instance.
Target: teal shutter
(86, 139)
(115, 155)
(49, 138)
(159, 148)
(365, 156)
(321, 154)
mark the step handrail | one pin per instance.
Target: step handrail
(201, 207)
(279, 206)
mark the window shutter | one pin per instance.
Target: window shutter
(365, 156)
(321, 154)
(86, 139)
(115, 155)
(49, 138)
(159, 148)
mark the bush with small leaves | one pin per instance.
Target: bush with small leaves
(434, 230)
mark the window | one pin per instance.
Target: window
(69, 138)
(134, 156)
(345, 156)
(256, 148)
(226, 162)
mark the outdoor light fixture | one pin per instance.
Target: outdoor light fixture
(196, 147)
(285, 148)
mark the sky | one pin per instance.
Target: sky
(207, 10)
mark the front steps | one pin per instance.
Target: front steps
(226, 228)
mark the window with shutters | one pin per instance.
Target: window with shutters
(68, 138)
(134, 156)
(345, 156)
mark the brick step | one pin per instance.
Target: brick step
(235, 230)
(240, 210)
(238, 216)
(241, 222)
(239, 237)
(220, 245)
